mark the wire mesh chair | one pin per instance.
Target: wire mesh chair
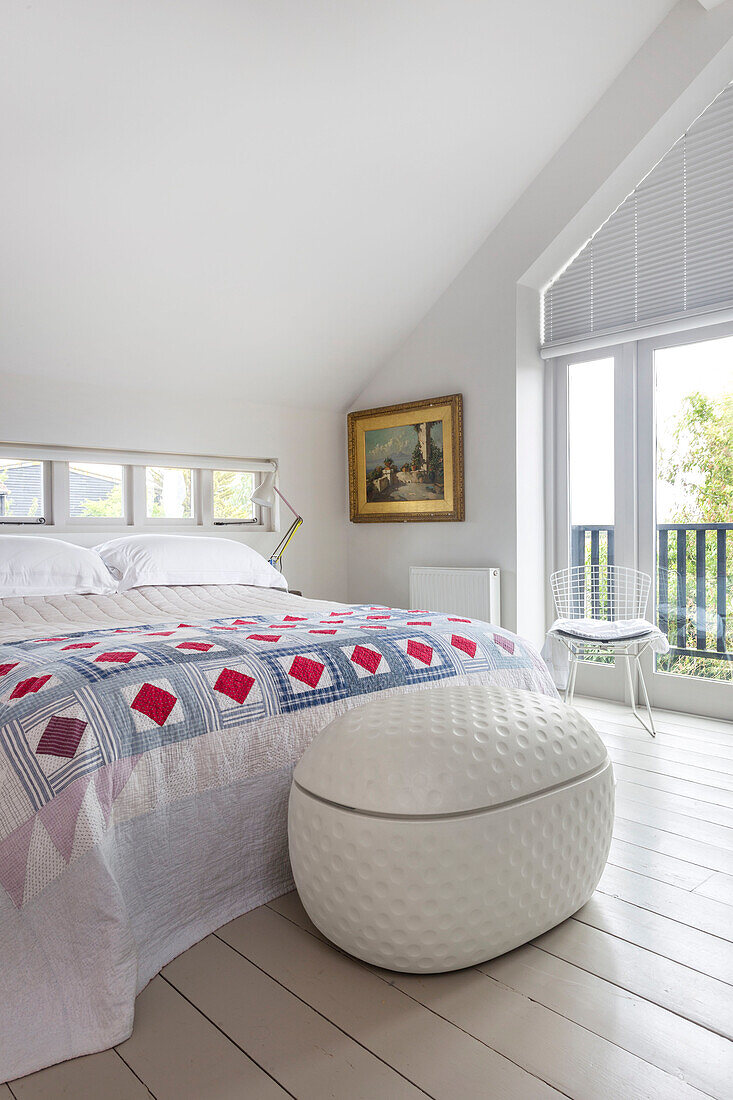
(587, 596)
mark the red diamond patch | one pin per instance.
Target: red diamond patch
(160, 633)
(454, 620)
(367, 658)
(379, 616)
(307, 671)
(234, 684)
(79, 645)
(419, 622)
(465, 644)
(154, 702)
(420, 651)
(61, 737)
(29, 686)
(202, 647)
(117, 657)
(295, 618)
(322, 631)
(264, 637)
(5, 669)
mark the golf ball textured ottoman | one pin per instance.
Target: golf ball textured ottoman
(436, 829)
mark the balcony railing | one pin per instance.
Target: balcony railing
(694, 593)
(593, 545)
(693, 560)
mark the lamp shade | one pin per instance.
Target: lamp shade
(264, 494)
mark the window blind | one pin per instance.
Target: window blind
(665, 252)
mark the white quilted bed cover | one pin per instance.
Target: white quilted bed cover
(198, 837)
(23, 617)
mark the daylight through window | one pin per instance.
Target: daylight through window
(232, 492)
(95, 491)
(168, 492)
(21, 489)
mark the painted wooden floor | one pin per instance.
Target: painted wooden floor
(632, 997)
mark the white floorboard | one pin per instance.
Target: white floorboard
(632, 997)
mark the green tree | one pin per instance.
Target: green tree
(699, 465)
(232, 492)
(108, 507)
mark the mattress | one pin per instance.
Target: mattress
(23, 617)
(147, 742)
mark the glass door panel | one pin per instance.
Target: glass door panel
(685, 426)
(694, 513)
(591, 481)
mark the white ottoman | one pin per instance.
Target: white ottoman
(436, 829)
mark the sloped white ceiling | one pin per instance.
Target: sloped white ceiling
(266, 197)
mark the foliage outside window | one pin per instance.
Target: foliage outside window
(696, 460)
(232, 492)
(95, 491)
(168, 492)
(21, 489)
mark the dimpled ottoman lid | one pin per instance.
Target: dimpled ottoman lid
(448, 750)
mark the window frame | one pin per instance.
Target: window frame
(635, 498)
(21, 454)
(62, 494)
(208, 494)
(55, 463)
(168, 521)
(593, 678)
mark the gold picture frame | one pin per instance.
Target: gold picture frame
(406, 462)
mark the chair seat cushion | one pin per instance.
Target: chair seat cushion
(601, 630)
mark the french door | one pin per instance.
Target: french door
(685, 457)
(643, 477)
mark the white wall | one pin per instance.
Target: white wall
(481, 336)
(308, 445)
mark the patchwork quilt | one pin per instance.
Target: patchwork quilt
(85, 717)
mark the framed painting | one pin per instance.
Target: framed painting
(406, 462)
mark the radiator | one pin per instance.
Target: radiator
(474, 593)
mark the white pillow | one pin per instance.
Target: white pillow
(38, 566)
(186, 559)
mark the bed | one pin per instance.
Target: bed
(147, 740)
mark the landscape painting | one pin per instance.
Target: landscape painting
(406, 461)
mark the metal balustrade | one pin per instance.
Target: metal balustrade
(592, 545)
(699, 608)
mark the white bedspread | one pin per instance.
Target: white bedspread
(196, 838)
(32, 616)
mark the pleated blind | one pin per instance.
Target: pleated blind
(665, 252)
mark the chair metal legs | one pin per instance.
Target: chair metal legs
(650, 729)
(573, 659)
(572, 673)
